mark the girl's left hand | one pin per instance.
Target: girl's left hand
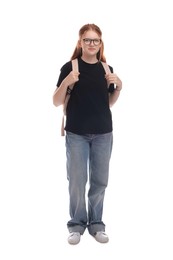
(112, 78)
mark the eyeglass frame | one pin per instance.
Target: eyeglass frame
(92, 40)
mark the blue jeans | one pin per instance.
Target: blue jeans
(88, 156)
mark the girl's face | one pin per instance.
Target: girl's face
(90, 44)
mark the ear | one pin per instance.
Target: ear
(79, 44)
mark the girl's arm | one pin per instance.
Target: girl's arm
(60, 93)
(112, 78)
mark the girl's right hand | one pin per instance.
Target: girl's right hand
(71, 78)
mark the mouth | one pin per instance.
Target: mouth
(91, 49)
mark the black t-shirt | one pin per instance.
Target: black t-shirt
(88, 109)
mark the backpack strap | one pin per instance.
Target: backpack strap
(75, 68)
(106, 68)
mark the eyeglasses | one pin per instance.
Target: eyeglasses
(88, 41)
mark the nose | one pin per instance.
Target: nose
(92, 42)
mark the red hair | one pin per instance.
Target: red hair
(78, 51)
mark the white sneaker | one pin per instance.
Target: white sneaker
(74, 238)
(101, 237)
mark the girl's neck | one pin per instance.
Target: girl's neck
(89, 59)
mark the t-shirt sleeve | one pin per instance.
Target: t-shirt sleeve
(64, 71)
(112, 86)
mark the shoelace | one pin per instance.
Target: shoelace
(74, 233)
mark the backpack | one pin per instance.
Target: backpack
(75, 68)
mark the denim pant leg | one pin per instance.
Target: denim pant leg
(100, 153)
(77, 152)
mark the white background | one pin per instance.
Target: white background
(37, 38)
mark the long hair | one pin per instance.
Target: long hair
(78, 50)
